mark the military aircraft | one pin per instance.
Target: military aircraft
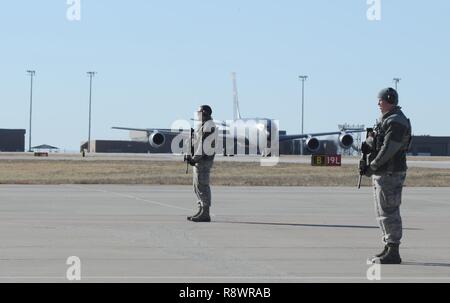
(250, 132)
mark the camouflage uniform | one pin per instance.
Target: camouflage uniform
(201, 182)
(204, 161)
(393, 137)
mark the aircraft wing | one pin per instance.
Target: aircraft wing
(221, 123)
(151, 130)
(303, 136)
(217, 122)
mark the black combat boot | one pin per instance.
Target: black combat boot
(197, 213)
(203, 216)
(392, 256)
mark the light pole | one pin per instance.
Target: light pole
(303, 79)
(91, 75)
(32, 73)
(396, 81)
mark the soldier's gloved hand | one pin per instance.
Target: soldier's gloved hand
(367, 146)
(368, 171)
(189, 160)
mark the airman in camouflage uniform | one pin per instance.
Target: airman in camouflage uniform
(202, 161)
(389, 143)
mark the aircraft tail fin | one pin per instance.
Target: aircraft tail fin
(236, 111)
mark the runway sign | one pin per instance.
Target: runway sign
(40, 154)
(326, 160)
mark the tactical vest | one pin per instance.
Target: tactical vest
(200, 136)
(397, 162)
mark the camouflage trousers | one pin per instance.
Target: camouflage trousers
(388, 198)
(201, 182)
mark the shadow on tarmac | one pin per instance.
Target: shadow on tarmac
(427, 264)
(299, 225)
(307, 225)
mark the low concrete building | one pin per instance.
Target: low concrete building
(12, 140)
(116, 146)
(430, 146)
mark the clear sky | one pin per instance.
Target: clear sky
(158, 60)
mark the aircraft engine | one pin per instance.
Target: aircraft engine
(346, 140)
(156, 139)
(313, 144)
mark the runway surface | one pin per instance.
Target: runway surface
(258, 234)
(425, 162)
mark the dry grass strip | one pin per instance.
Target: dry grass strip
(170, 172)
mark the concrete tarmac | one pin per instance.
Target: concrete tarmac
(125, 233)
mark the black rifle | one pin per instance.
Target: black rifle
(191, 149)
(366, 151)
